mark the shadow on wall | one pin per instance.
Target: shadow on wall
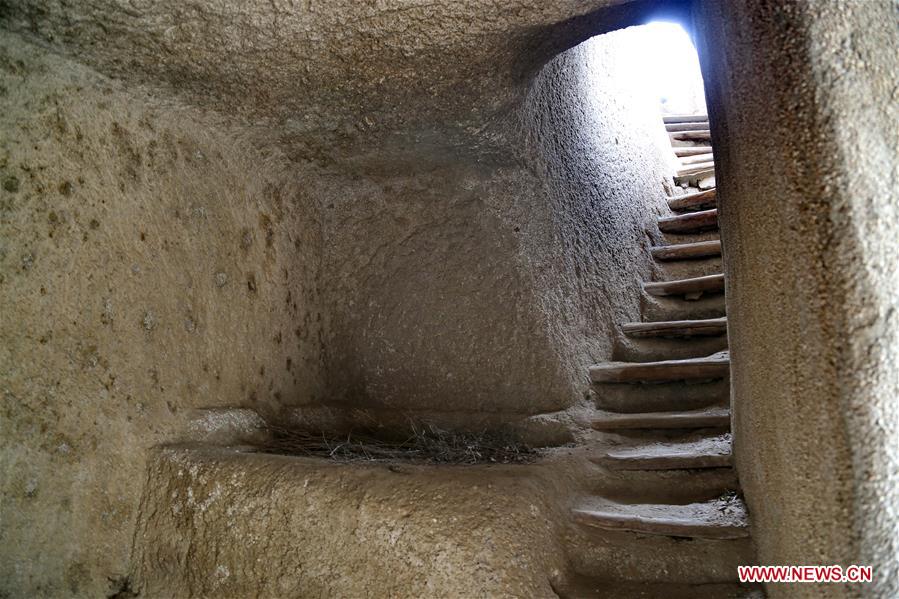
(480, 292)
(804, 93)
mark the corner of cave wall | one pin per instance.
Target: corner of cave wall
(151, 262)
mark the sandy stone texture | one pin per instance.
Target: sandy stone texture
(812, 260)
(151, 261)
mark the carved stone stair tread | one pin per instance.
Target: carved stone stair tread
(677, 328)
(714, 417)
(701, 200)
(692, 150)
(687, 251)
(720, 519)
(692, 288)
(692, 169)
(706, 452)
(695, 135)
(696, 159)
(703, 179)
(715, 366)
(687, 126)
(691, 222)
(685, 118)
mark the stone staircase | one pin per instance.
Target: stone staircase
(662, 423)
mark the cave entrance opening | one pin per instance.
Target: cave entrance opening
(665, 64)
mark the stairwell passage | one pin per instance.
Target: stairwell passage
(663, 409)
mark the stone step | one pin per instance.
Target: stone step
(675, 270)
(687, 251)
(687, 126)
(689, 288)
(704, 179)
(685, 118)
(664, 561)
(692, 150)
(673, 307)
(692, 169)
(678, 238)
(706, 452)
(701, 200)
(691, 222)
(717, 519)
(661, 486)
(684, 329)
(697, 158)
(654, 349)
(695, 135)
(715, 366)
(671, 396)
(714, 417)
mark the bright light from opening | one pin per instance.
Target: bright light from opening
(665, 61)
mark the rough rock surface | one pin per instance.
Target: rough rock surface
(220, 523)
(326, 75)
(813, 274)
(481, 286)
(151, 261)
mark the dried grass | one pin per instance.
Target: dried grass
(424, 444)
